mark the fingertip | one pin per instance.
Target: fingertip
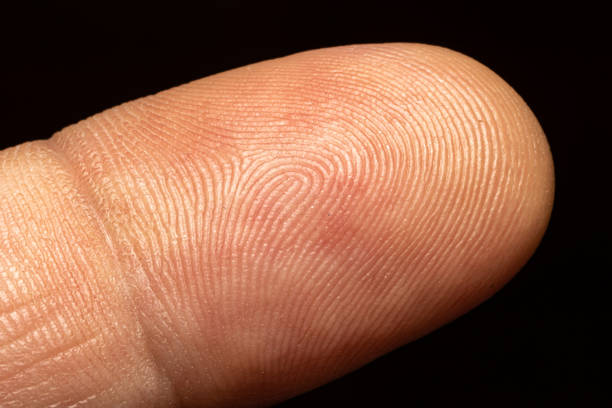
(299, 217)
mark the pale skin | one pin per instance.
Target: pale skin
(249, 236)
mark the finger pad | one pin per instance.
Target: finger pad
(347, 200)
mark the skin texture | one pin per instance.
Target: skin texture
(249, 236)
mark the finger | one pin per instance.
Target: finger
(268, 229)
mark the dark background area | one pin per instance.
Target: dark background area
(538, 341)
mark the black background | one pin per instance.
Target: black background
(537, 342)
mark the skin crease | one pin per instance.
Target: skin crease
(249, 236)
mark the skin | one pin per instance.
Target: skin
(246, 237)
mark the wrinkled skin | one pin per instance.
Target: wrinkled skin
(248, 236)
